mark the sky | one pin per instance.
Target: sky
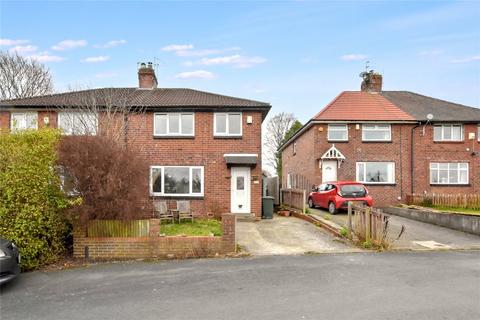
(296, 55)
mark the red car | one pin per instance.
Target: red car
(336, 194)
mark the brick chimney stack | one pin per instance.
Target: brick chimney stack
(146, 76)
(372, 81)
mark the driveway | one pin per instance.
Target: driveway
(282, 235)
(370, 286)
(417, 235)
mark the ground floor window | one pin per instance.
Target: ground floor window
(448, 173)
(376, 172)
(176, 181)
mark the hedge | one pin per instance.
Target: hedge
(31, 198)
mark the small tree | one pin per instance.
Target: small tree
(297, 125)
(21, 77)
(31, 200)
(277, 128)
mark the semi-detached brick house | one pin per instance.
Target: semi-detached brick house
(396, 142)
(200, 146)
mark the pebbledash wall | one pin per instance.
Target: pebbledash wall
(313, 143)
(155, 246)
(203, 149)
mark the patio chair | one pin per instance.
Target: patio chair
(160, 210)
(184, 210)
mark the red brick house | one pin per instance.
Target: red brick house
(200, 146)
(396, 142)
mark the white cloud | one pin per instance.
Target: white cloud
(96, 59)
(45, 57)
(177, 47)
(354, 57)
(11, 42)
(199, 74)
(23, 49)
(69, 44)
(236, 60)
(111, 44)
(105, 75)
(468, 59)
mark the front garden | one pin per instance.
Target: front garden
(199, 227)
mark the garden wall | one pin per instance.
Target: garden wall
(154, 245)
(465, 223)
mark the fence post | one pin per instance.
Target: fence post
(368, 215)
(304, 200)
(349, 223)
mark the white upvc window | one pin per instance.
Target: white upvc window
(337, 132)
(294, 148)
(448, 132)
(376, 132)
(23, 120)
(78, 123)
(174, 124)
(176, 181)
(227, 124)
(449, 173)
(478, 133)
(376, 172)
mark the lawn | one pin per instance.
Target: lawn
(199, 227)
(474, 212)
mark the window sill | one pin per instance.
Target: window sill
(227, 137)
(450, 142)
(376, 141)
(450, 185)
(199, 197)
(338, 141)
(173, 137)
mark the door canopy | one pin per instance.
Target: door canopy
(333, 154)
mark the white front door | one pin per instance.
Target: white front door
(240, 190)
(329, 170)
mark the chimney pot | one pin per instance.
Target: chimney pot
(146, 76)
(372, 81)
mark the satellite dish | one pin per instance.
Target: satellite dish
(429, 116)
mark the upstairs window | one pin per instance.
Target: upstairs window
(78, 123)
(294, 148)
(478, 133)
(174, 124)
(227, 124)
(448, 132)
(337, 132)
(376, 132)
(448, 173)
(176, 181)
(23, 121)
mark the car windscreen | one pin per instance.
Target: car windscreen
(353, 190)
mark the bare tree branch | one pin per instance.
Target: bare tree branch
(22, 78)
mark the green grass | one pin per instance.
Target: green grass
(199, 227)
(474, 212)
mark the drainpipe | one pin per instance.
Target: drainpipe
(412, 161)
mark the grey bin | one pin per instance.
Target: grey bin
(267, 207)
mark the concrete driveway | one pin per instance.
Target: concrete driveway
(417, 235)
(283, 236)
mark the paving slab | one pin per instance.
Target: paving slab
(417, 235)
(287, 235)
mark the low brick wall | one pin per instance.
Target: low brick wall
(155, 246)
(465, 223)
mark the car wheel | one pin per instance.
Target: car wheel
(331, 208)
(310, 203)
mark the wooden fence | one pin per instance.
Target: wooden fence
(117, 228)
(294, 198)
(468, 201)
(368, 224)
